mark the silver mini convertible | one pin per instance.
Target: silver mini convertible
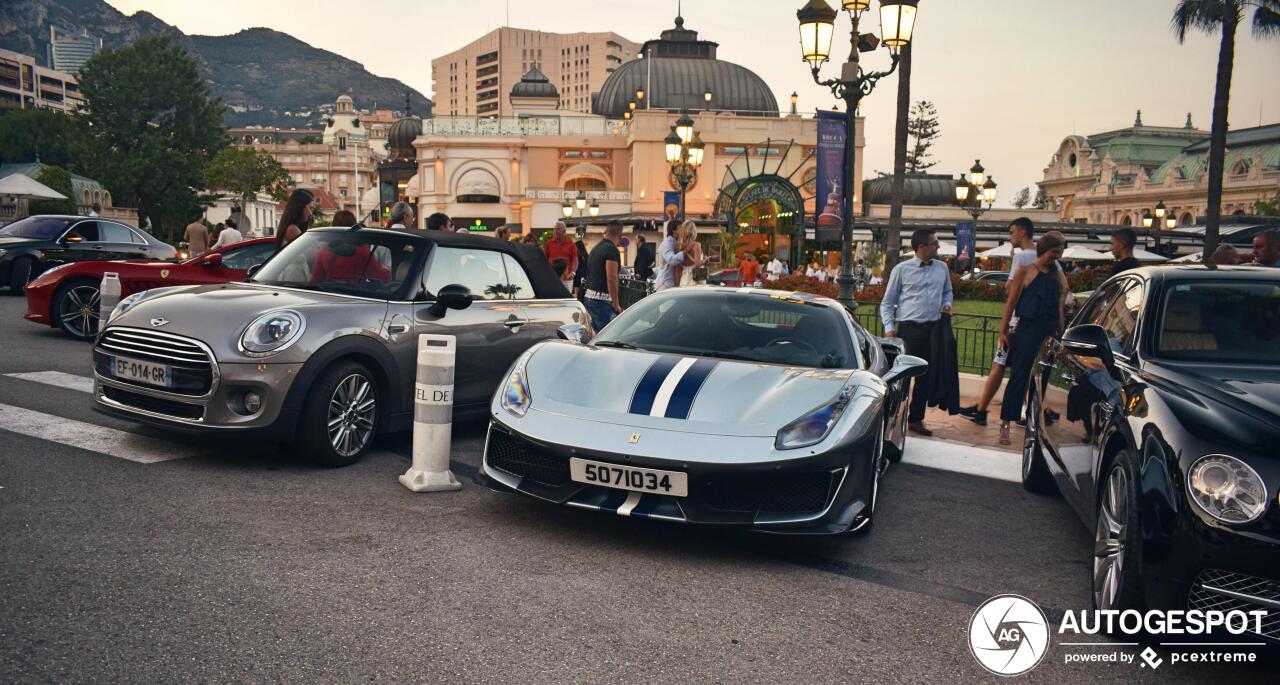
(319, 347)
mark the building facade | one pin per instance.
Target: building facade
(69, 51)
(24, 84)
(475, 79)
(1117, 176)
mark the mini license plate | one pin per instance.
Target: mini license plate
(143, 372)
(674, 483)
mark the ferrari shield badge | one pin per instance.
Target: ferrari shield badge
(635, 437)
(164, 273)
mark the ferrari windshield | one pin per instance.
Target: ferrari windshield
(1230, 322)
(351, 262)
(732, 325)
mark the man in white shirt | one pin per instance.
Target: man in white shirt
(230, 235)
(401, 215)
(774, 268)
(670, 257)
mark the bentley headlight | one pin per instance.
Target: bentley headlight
(272, 333)
(1227, 489)
(814, 427)
(515, 393)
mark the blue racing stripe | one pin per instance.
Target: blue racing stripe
(687, 389)
(647, 389)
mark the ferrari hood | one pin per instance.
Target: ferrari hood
(678, 392)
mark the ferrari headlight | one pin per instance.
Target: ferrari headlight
(272, 333)
(1227, 489)
(814, 427)
(515, 393)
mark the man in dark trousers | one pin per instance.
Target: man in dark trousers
(644, 258)
(918, 292)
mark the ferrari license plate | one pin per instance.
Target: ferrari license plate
(142, 372)
(660, 482)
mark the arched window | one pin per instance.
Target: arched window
(586, 184)
(477, 186)
(1240, 168)
(1187, 219)
(1126, 221)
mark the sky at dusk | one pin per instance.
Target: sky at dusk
(1010, 78)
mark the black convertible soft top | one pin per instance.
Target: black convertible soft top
(545, 283)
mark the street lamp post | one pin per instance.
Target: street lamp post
(579, 204)
(684, 150)
(1157, 217)
(817, 27)
(975, 188)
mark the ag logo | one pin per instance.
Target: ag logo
(1008, 635)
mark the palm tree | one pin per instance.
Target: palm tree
(893, 239)
(1210, 16)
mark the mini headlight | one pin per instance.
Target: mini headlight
(1227, 489)
(814, 427)
(515, 393)
(272, 333)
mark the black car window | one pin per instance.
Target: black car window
(245, 257)
(521, 286)
(1120, 320)
(481, 271)
(114, 233)
(1094, 309)
(84, 232)
(1221, 321)
(36, 227)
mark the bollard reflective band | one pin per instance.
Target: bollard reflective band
(433, 403)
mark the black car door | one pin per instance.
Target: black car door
(80, 243)
(120, 242)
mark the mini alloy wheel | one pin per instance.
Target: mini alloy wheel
(340, 414)
(352, 412)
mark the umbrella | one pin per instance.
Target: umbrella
(1002, 250)
(945, 249)
(1076, 253)
(1146, 256)
(21, 184)
(1193, 258)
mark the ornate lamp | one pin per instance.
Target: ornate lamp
(897, 21)
(989, 191)
(1147, 219)
(672, 144)
(962, 189)
(696, 150)
(817, 26)
(594, 209)
(977, 175)
(580, 200)
(684, 128)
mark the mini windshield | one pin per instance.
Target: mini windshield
(36, 227)
(1228, 322)
(729, 325)
(351, 262)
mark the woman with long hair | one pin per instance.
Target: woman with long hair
(296, 217)
(687, 242)
(343, 218)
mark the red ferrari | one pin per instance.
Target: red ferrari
(66, 296)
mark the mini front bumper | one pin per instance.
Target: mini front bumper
(811, 493)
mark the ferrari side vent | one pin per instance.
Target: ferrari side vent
(526, 460)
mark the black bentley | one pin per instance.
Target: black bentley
(35, 244)
(1157, 416)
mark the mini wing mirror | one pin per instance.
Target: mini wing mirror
(212, 260)
(574, 332)
(906, 367)
(252, 271)
(1089, 340)
(451, 297)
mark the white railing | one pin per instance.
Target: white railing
(522, 126)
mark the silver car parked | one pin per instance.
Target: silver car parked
(320, 346)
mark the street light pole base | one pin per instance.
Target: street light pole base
(429, 481)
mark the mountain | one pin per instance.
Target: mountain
(265, 77)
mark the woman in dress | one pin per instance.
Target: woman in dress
(1035, 296)
(295, 219)
(687, 241)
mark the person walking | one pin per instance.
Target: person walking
(229, 235)
(402, 215)
(749, 269)
(602, 295)
(859, 276)
(644, 258)
(668, 229)
(440, 221)
(672, 258)
(560, 247)
(1123, 241)
(1266, 249)
(1035, 296)
(918, 292)
(295, 219)
(196, 236)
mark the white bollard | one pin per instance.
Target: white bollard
(108, 297)
(433, 416)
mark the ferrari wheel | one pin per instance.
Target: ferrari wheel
(76, 306)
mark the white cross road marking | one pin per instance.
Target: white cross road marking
(87, 436)
(56, 379)
(966, 459)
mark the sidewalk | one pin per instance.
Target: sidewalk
(960, 430)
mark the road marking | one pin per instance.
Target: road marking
(966, 459)
(88, 436)
(57, 379)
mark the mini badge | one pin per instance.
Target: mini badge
(159, 322)
(635, 437)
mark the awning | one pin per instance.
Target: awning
(21, 184)
(411, 190)
(371, 197)
(1076, 253)
(1146, 256)
(1002, 250)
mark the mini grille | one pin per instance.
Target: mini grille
(1262, 593)
(526, 460)
(152, 345)
(798, 493)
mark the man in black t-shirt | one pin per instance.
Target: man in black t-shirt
(1122, 243)
(602, 278)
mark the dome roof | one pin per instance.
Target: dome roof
(930, 190)
(676, 70)
(403, 132)
(535, 84)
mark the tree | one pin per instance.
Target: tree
(923, 127)
(1267, 207)
(152, 127)
(1223, 17)
(245, 172)
(58, 179)
(27, 135)
(893, 236)
(1042, 199)
(1022, 198)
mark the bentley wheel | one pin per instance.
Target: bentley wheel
(19, 275)
(1116, 552)
(340, 416)
(1035, 472)
(77, 307)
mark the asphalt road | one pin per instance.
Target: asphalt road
(244, 563)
